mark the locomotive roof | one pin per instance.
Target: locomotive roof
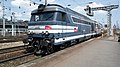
(55, 7)
(49, 7)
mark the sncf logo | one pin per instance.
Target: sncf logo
(48, 27)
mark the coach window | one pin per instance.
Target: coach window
(76, 20)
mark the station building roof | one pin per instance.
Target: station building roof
(19, 23)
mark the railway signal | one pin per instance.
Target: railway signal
(90, 10)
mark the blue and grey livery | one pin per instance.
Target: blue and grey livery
(54, 25)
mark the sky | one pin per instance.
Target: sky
(23, 8)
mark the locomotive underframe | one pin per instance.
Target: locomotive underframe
(42, 45)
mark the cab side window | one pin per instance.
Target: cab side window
(61, 17)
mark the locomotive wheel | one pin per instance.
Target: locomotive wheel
(36, 51)
(63, 46)
(49, 49)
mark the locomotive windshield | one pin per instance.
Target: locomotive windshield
(43, 16)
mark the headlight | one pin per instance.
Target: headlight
(47, 33)
(30, 32)
(42, 33)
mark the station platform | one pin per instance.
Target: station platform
(97, 52)
(8, 42)
(11, 44)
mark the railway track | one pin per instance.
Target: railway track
(9, 56)
(18, 55)
(7, 53)
(12, 49)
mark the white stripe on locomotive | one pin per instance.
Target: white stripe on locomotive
(53, 26)
(52, 31)
(61, 29)
(71, 38)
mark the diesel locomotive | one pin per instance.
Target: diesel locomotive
(54, 25)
